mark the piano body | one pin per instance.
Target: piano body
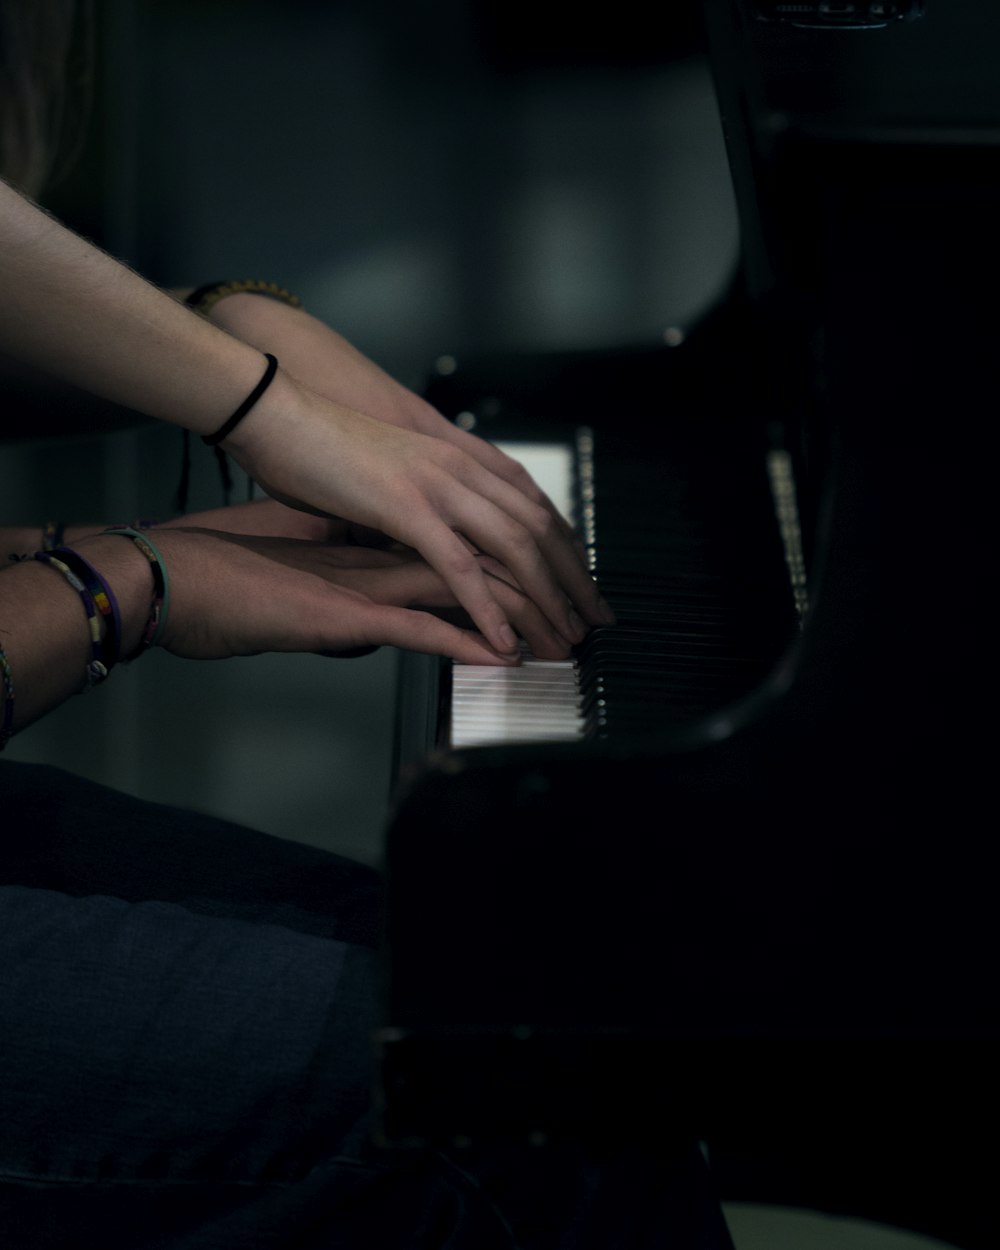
(752, 893)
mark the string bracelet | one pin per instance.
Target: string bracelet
(53, 534)
(155, 625)
(97, 669)
(204, 298)
(272, 367)
(103, 598)
(7, 722)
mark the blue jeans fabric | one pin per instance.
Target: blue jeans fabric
(185, 1062)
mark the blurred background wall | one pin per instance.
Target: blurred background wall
(432, 177)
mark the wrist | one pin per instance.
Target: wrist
(128, 574)
(204, 298)
(241, 309)
(298, 447)
(263, 434)
(49, 638)
(262, 322)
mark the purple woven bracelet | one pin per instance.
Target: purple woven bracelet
(104, 600)
(97, 669)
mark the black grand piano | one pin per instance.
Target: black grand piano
(749, 887)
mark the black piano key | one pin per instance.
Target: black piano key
(692, 565)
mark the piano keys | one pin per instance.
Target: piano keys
(540, 700)
(681, 646)
(675, 639)
(537, 702)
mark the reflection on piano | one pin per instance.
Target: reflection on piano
(752, 896)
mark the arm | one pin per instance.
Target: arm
(264, 517)
(396, 577)
(322, 359)
(69, 309)
(327, 363)
(236, 595)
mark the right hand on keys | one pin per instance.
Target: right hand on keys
(238, 594)
(431, 495)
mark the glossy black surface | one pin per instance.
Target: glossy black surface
(792, 896)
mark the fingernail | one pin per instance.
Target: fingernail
(607, 616)
(508, 638)
(577, 628)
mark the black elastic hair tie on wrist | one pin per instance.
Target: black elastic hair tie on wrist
(272, 366)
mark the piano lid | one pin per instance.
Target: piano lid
(794, 99)
(934, 73)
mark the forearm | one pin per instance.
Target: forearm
(43, 622)
(321, 359)
(63, 301)
(67, 308)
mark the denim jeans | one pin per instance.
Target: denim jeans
(185, 1019)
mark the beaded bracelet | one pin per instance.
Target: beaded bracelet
(104, 599)
(97, 669)
(7, 724)
(204, 298)
(157, 621)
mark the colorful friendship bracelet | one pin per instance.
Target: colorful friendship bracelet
(54, 532)
(99, 603)
(97, 669)
(7, 724)
(103, 597)
(156, 624)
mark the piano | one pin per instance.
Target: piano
(701, 560)
(749, 892)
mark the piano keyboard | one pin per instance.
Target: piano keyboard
(540, 700)
(692, 565)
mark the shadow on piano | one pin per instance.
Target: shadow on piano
(756, 900)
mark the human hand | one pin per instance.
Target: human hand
(329, 365)
(322, 359)
(399, 577)
(243, 594)
(428, 494)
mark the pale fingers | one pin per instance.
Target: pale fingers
(240, 595)
(446, 552)
(523, 536)
(506, 468)
(421, 631)
(424, 492)
(415, 584)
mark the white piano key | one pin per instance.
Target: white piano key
(540, 700)
(537, 702)
(551, 465)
